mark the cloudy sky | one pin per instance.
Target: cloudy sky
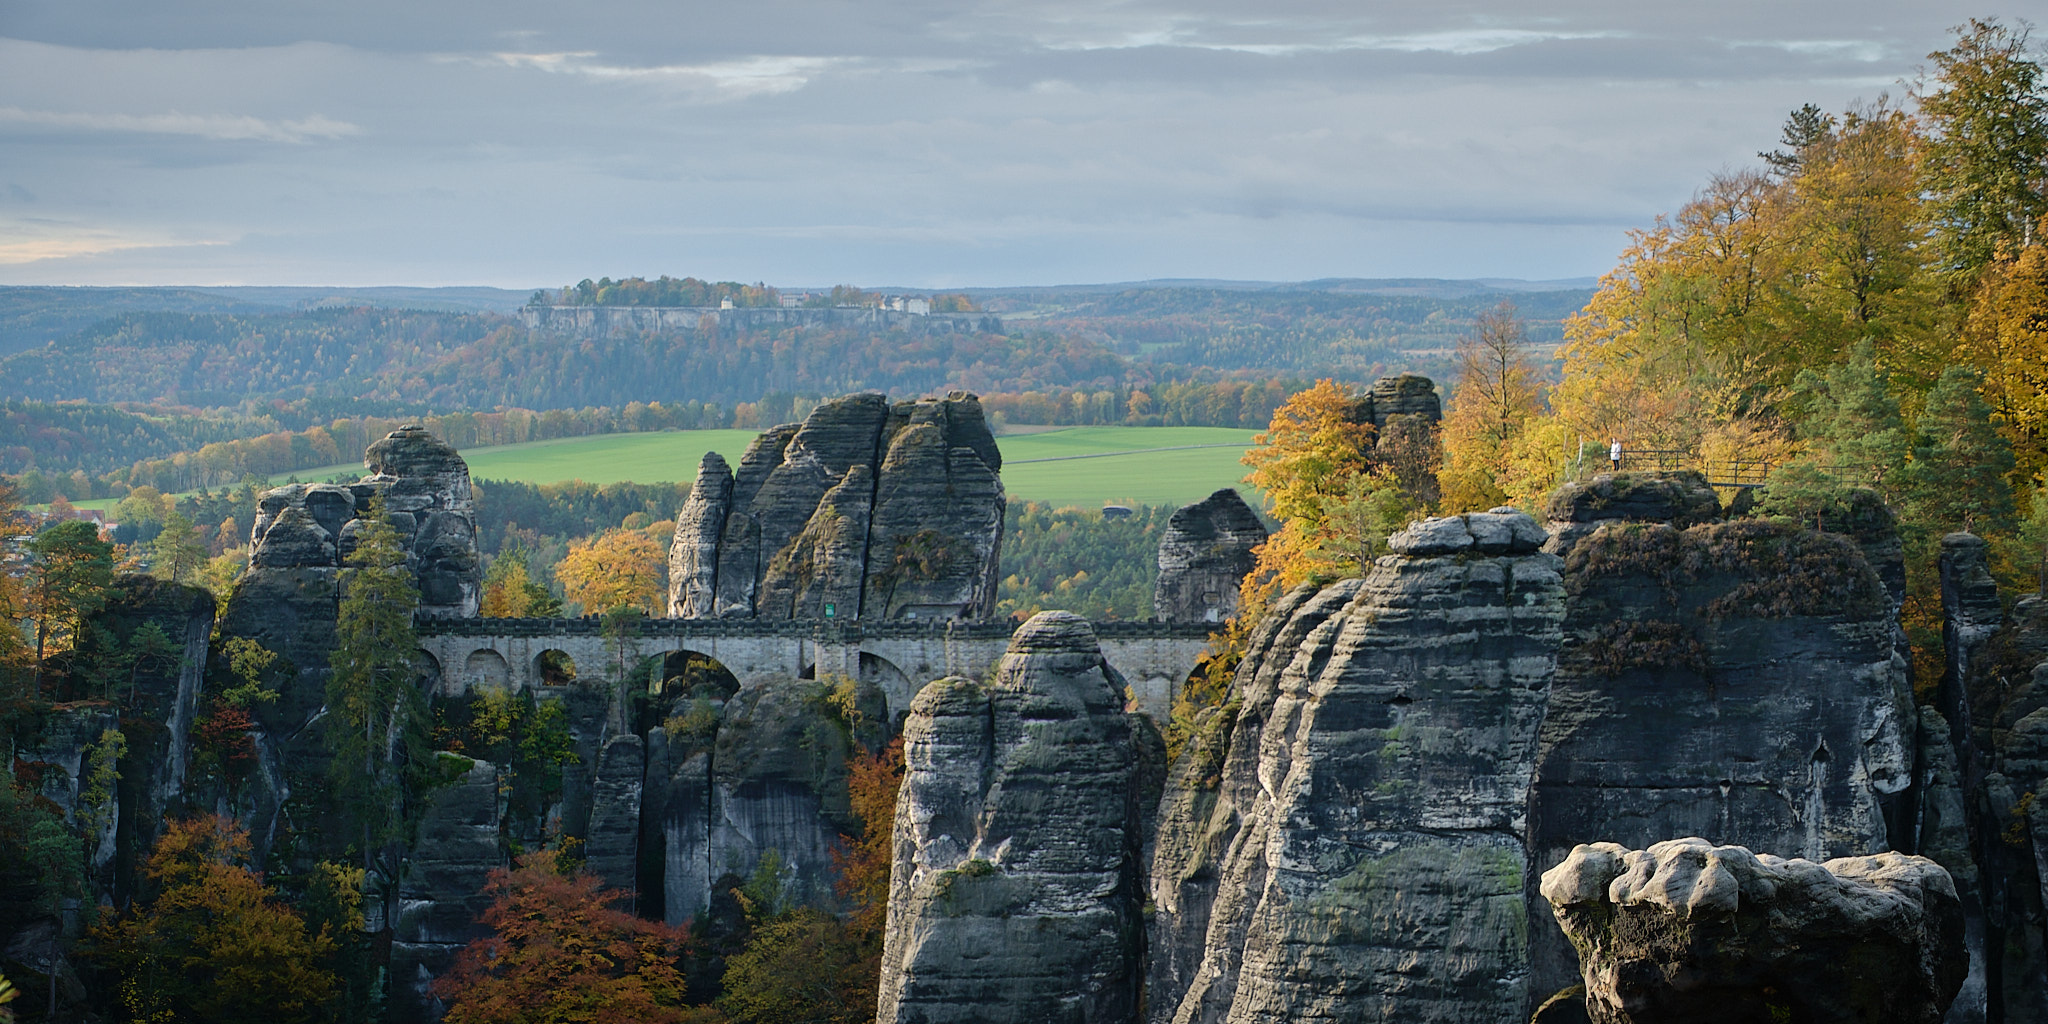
(906, 142)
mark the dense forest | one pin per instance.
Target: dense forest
(1313, 333)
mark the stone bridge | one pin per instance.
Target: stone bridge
(1154, 658)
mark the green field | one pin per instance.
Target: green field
(1117, 470)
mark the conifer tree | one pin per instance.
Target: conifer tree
(1958, 477)
(375, 714)
(1852, 424)
(177, 553)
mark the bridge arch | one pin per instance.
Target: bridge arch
(553, 667)
(486, 670)
(896, 686)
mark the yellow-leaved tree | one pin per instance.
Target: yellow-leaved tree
(1496, 395)
(2007, 337)
(620, 568)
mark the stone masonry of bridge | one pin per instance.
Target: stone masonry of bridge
(1154, 658)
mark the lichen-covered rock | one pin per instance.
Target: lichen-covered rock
(1372, 800)
(1015, 894)
(1687, 931)
(1737, 681)
(1205, 553)
(1578, 508)
(874, 510)
(441, 899)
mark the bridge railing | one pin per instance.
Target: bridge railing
(1738, 471)
(821, 630)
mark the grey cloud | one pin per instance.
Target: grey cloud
(796, 140)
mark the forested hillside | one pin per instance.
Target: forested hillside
(204, 350)
(1309, 332)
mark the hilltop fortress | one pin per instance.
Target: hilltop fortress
(599, 321)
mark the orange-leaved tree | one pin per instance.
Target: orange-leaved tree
(214, 943)
(872, 781)
(561, 951)
(1336, 502)
(619, 568)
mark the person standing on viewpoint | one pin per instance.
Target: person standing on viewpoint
(1614, 454)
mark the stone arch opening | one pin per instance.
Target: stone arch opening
(485, 669)
(554, 667)
(892, 681)
(694, 674)
(426, 669)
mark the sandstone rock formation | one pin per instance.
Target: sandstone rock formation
(732, 776)
(1016, 891)
(868, 509)
(1733, 680)
(426, 492)
(1206, 552)
(288, 598)
(1360, 854)
(1687, 931)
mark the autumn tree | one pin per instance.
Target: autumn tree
(2007, 337)
(1496, 395)
(561, 951)
(1986, 165)
(1333, 489)
(510, 592)
(619, 568)
(213, 943)
(375, 715)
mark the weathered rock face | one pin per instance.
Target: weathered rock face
(290, 596)
(1737, 681)
(1206, 552)
(872, 510)
(1993, 713)
(732, 777)
(1691, 932)
(441, 896)
(1577, 509)
(1361, 855)
(1016, 889)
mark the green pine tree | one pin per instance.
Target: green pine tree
(375, 713)
(177, 553)
(1852, 422)
(1958, 477)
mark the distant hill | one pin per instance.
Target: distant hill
(34, 316)
(450, 349)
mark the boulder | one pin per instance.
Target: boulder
(1203, 556)
(1687, 931)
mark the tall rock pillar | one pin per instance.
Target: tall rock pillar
(1015, 895)
(1379, 782)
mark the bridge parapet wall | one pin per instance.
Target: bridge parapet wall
(900, 657)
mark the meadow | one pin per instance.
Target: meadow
(1073, 466)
